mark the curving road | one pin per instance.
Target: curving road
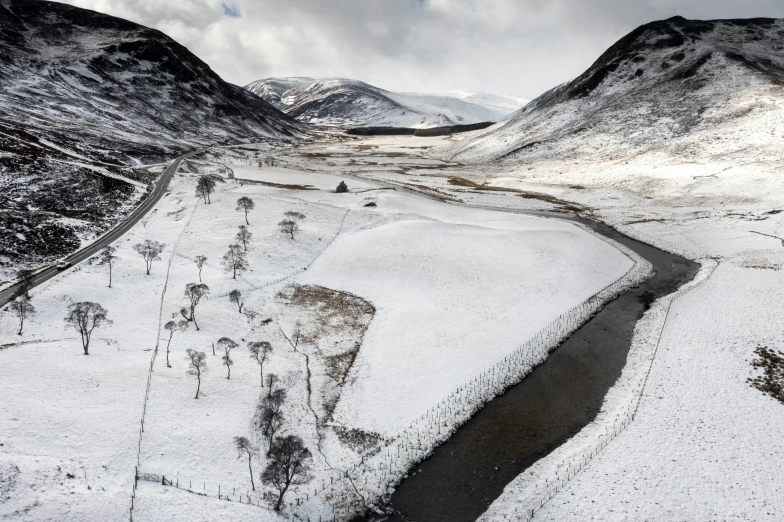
(159, 189)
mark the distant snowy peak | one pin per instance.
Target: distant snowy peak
(665, 81)
(272, 89)
(340, 102)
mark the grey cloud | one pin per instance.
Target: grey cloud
(516, 47)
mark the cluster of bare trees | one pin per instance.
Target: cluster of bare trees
(259, 350)
(288, 460)
(84, 316)
(204, 187)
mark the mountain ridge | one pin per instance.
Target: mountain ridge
(342, 102)
(649, 90)
(86, 98)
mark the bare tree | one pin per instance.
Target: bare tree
(294, 216)
(296, 334)
(270, 415)
(204, 187)
(197, 366)
(200, 260)
(227, 345)
(235, 296)
(172, 327)
(244, 236)
(271, 380)
(235, 260)
(106, 257)
(289, 227)
(289, 465)
(150, 251)
(194, 292)
(259, 351)
(245, 204)
(85, 317)
(22, 309)
(244, 447)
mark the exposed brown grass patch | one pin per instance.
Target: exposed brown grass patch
(565, 205)
(363, 442)
(334, 314)
(277, 185)
(771, 382)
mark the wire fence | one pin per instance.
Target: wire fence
(152, 361)
(376, 475)
(603, 432)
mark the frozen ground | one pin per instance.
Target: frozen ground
(703, 444)
(443, 293)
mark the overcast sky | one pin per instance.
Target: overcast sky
(514, 47)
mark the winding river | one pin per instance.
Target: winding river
(552, 404)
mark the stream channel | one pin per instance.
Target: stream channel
(552, 404)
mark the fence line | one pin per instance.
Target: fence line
(569, 467)
(153, 357)
(378, 473)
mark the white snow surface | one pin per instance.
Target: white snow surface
(409, 270)
(474, 284)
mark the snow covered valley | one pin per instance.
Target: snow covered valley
(375, 315)
(398, 309)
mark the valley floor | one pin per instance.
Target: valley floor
(376, 315)
(384, 305)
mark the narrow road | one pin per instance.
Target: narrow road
(159, 189)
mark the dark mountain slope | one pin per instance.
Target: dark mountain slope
(675, 85)
(84, 97)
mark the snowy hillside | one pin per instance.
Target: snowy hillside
(685, 88)
(339, 102)
(85, 96)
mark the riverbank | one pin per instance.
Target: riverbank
(560, 397)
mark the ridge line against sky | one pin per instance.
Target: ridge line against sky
(513, 47)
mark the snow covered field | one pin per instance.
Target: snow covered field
(702, 445)
(444, 293)
(703, 442)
